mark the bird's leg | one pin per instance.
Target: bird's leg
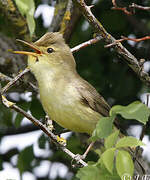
(49, 123)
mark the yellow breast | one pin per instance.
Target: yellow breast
(62, 103)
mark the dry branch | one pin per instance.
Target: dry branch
(13, 81)
(108, 38)
(123, 38)
(133, 5)
(124, 9)
(85, 44)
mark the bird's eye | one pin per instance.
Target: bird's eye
(50, 50)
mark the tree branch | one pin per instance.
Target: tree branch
(14, 80)
(36, 122)
(60, 9)
(85, 44)
(119, 48)
(70, 20)
(133, 5)
(5, 78)
(123, 38)
(124, 9)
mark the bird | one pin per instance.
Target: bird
(66, 97)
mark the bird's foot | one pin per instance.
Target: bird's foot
(49, 123)
(61, 140)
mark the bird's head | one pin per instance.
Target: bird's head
(50, 52)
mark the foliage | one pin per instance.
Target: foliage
(27, 8)
(115, 158)
(136, 110)
(25, 159)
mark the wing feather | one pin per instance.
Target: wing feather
(90, 97)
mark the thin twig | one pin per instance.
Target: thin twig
(133, 5)
(53, 137)
(136, 40)
(33, 87)
(5, 78)
(121, 50)
(14, 80)
(114, 43)
(124, 9)
(123, 38)
(85, 44)
(88, 149)
(114, 3)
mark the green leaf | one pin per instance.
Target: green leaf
(42, 141)
(108, 159)
(31, 24)
(135, 110)
(27, 8)
(111, 140)
(1, 164)
(129, 142)
(37, 109)
(88, 172)
(104, 173)
(103, 128)
(24, 105)
(18, 120)
(124, 164)
(22, 6)
(25, 158)
(6, 117)
(96, 171)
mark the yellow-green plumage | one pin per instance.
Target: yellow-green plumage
(68, 99)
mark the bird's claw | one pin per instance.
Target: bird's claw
(49, 123)
(61, 140)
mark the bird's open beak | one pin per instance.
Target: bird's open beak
(36, 53)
